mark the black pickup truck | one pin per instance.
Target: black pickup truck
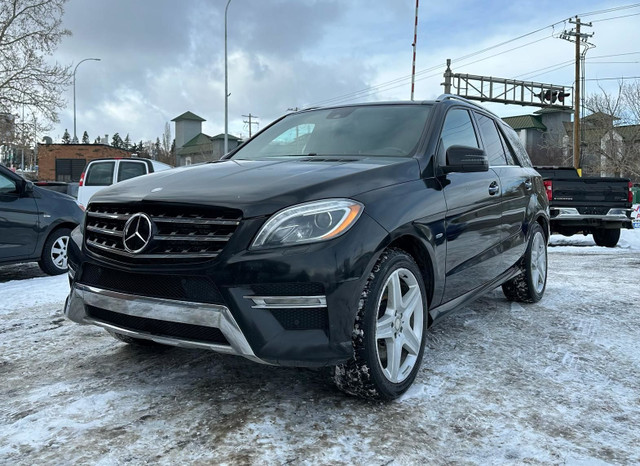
(588, 205)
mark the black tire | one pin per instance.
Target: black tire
(529, 286)
(607, 238)
(53, 260)
(374, 372)
(135, 341)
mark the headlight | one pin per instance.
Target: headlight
(309, 223)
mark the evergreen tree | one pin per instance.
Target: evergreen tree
(116, 141)
(66, 138)
(97, 141)
(85, 138)
(127, 142)
(157, 149)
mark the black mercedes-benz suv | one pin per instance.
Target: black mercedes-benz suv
(334, 237)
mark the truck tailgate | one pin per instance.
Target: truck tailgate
(603, 192)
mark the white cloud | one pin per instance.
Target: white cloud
(159, 61)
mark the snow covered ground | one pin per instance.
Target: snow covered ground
(557, 382)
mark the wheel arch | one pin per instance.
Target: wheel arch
(544, 223)
(51, 230)
(417, 250)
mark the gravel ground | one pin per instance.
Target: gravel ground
(551, 383)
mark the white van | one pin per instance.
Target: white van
(100, 173)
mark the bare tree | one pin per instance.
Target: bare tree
(166, 139)
(30, 31)
(612, 130)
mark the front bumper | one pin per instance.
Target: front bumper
(285, 306)
(83, 299)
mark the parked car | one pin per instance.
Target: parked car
(70, 189)
(334, 237)
(35, 223)
(595, 205)
(101, 173)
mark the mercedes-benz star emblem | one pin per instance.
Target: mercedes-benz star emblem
(137, 233)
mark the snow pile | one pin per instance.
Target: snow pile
(34, 292)
(629, 239)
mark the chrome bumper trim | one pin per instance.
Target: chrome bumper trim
(566, 213)
(287, 302)
(202, 314)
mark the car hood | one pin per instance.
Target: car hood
(263, 187)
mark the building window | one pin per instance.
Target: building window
(69, 170)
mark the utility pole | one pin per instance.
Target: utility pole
(579, 38)
(249, 122)
(415, 41)
(448, 74)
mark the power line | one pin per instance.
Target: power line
(610, 10)
(614, 17)
(389, 85)
(614, 79)
(564, 64)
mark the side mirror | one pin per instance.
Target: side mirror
(466, 159)
(28, 187)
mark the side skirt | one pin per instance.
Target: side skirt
(438, 312)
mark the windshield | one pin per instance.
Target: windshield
(373, 130)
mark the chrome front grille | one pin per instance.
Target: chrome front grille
(179, 233)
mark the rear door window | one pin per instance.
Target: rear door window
(128, 170)
(100, 174)
(492, 144)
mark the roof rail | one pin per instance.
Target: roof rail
(462, 99)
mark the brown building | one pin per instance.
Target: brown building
(65, 162)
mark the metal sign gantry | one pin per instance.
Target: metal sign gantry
(507, 91)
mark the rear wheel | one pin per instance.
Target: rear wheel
(54, 253)
(389, 332)
(607, 238)
(529, 286)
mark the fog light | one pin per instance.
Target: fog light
(287, 302)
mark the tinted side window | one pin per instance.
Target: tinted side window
(7, 186)
(128, 170)
(491, 139)
(457, 130)
(100, 174)
(511, 158)
(516, 146)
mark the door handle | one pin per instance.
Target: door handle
(494, 188)
(528, 184)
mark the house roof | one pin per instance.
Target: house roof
(199, 140)
(594, 134)
(188, 116)
(202, 143)
(525, 122)
(197, 145)
(230, 137)
(600, 116)
(552, 110)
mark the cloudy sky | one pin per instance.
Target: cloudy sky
(161, 58)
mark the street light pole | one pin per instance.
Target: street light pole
(226, 85)
(75, 138)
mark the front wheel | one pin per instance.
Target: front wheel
(529, 286)
(54, 253)
(607, 238)
(389, 332)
